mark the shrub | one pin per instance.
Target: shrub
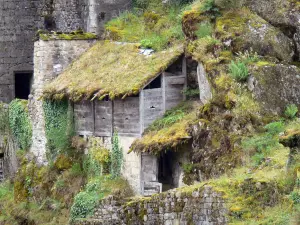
(239, 71)
(295, 197)
(116, 157)
(84, 204)
(291, 111)
(204, 30)
(20, 123)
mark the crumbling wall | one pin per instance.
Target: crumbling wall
(199, 206)
(50, 58)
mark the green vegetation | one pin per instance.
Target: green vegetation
(204, 30)
(86, 201)
(75, 35)
(153, 24)
(59, 127)
(260, 146)
(116, 156)
(123, 72)
(169, 131)
(291, 111)
(239, 71)
(19, 123)
(4, 117)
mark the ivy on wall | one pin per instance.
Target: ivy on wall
(59, 127)
(116, 156)
(4, 124)
(19, 123)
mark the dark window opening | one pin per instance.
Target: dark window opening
(102, 15)
(165, 170)
(1, 155)
(22, 84)
(176, 67)
(49, 23)
(156, 83)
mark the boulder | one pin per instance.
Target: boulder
(275, 85)
(243, 30)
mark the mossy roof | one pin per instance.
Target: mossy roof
(169, 132)
(110, 69)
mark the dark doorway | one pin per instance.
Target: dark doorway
(22, 84)
(165, 170)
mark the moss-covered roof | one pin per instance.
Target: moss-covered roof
(110, 68)
(168, 132)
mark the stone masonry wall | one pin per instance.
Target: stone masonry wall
(50, 59)
(201, 206)
(19, 20)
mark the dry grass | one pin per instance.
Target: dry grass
(110, 68)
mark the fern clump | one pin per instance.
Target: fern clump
(291, 111)
(239, 71)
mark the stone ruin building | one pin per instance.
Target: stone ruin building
(28, 64)
(21, 19)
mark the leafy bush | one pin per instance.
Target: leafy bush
(291, 111)
(295, 197)
(20, 123)
(204, 30)
(239, 71)
(84, 204)
(116, 157)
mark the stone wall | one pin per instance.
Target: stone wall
(131, 169)
(19, 20)
(201, 206)
(50, 59)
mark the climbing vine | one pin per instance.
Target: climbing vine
(116, 156)
(4, 125)
(19, 123)
(59, 127)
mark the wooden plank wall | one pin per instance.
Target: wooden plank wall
(84, 118)
(173, 86)
(126, 116)
(103, 118)
(152, 107)
(99, 118)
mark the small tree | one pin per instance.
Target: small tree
(116, 156)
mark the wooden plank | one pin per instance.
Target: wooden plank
(153, 107)
(103, 118)
(127, 116)
(84, 117)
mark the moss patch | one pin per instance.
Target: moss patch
(168, 132)
(109, 68)
(76, 35)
